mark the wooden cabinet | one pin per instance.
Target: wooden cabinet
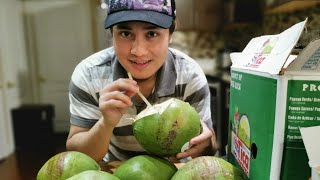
(202, 15)
(207, 15)
(185, 13)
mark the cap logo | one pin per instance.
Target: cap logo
(162, 6)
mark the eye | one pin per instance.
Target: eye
(126, 34)
(152, 34)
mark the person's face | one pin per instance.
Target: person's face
(141, 47)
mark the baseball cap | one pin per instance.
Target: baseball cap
(158, 12)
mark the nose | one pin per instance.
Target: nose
(139, 47)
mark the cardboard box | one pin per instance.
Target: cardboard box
(312, 145)
(272, 94)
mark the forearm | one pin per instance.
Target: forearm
(94, 143)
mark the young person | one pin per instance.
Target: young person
(103, 98)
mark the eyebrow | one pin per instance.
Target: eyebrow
(127, 27)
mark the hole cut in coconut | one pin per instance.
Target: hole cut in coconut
(157, 108)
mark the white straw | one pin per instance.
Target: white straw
(140, 94)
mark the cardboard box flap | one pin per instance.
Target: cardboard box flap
(268, 53)
(290, 59)
(312, 144)
(308, 61)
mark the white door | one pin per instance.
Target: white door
(59, 37)
(12, 58)
(4, 133)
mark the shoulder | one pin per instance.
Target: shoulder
(185, 64)
(94, 70)
(95, 63)
(104, 56)
(177, 54)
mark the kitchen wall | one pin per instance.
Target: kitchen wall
(277, 22)
(234, 33)
(238, 35)
(227, 27)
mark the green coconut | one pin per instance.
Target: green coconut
(66, 164)
(208, 167)
(93, 175)
(164, 128)
(146, 167)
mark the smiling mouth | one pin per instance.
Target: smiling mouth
(140, 63)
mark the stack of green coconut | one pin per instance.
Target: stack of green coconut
(162, 130)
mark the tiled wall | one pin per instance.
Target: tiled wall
(197, 44)
(276, 23)
(238, 35)
(235, 36)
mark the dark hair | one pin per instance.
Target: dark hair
(172, 27)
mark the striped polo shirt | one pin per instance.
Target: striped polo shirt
(180, 77)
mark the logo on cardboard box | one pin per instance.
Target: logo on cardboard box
(240, 142)
(263, 52)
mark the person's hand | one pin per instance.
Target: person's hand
(115, 98)
(198, 144)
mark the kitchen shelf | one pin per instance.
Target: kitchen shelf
(290, 6)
